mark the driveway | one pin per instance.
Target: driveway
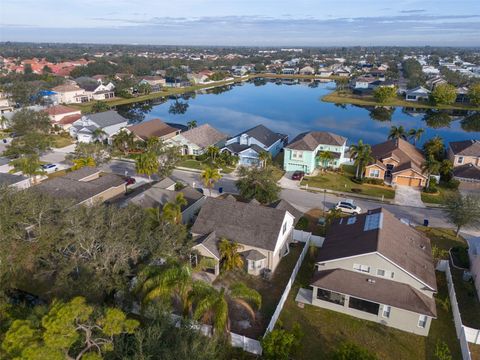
(408, 196)
(286, 181)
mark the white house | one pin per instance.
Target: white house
(70, 94)
(98, 126)
(417, 94)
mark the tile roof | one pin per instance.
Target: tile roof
(60, 109)
(375, 289)
(69, 119)
(204, 135)
(263, 134)
(247, 224)
(310, 140)
(467, 171)
(407, 155)
(466, 147)
(396, 241)
(151, 128)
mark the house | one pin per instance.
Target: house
(435, 81)
(70, 94)
(67, 121)
(249, 144)
(156, 82)
(195, 141)
(95, 90)
(302, 153)
(14, 181)
(85, 186)
(462, 95)
(58, 112)
(198, 78)
(374, 267)
(474, 256)
(397, 162)
(417, 94)
(307, 70)
(464, 152)
(153, 128)
(263, 233)
(324, 72)
(468, 175)
(157, 196)
(289, 71)
(342, 72)
(363, 82)
(99, 126)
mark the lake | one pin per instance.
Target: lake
(292, 107)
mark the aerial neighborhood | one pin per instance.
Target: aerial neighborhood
(147, 206)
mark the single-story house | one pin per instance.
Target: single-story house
(196, 140)
(417, 94)
(307, 70)
(374, 267)
(99, 126)
(397, 162)
(263, 233)
(464, 152)
(58, 112)
(252, 142)
(84, 186)
(302, 153)
(156, 82)
(153, 128)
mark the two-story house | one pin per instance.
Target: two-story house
(465, 156)
(251, 143)
(303, 152)
(374, 267)
(263, 232)
(99, 126)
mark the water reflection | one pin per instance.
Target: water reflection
(437, 118)
(471, 122)
(382, 113)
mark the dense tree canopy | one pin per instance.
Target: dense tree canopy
(444, 94)
(258, 183)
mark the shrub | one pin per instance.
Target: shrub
(302, 223)
(356, 190)
(442, 352)
(460, 254)
(430, 190)
(280, 344)
(452, 184)
(373, 181)
(357, 180)
(179, 186)
(202, 157)
(352, 352)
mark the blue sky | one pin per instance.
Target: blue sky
(244, 22)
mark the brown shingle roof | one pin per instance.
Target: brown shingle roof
(151, 128)
(60, 109)
(467, 171)
(310, 140)
(400, 150)
(466, 147)
(70, 119)
(204, 135)
(396, 241)
(378, 290)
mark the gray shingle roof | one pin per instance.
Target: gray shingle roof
(264, 135)
(107, 118)
(158, 197)
(238, 148)
(204, 135)
(247, 224)
(253, 255)
(310, 140)
(7, 179)
(466, 147)
(467, 171)
(82, 173)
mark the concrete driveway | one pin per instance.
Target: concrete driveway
(408, 196)
(286, 181)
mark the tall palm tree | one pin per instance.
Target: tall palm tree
(172, 211)
(210, 176)
(124, 141)
(229, 255)
(265, 158)
(397, 133)
(82, 162)
(430, 166)
(192, 124)
(325, 157)
(415, 134)
(212, 152)
(214, 307)
(29, 165)
(147, 164)
(362, 155)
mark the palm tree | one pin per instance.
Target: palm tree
(29, 165)
(123, 141)
(430, 166)
(99, 134)
(82, 162)
(172, 211)
(214, 307)
(446, 169)
(415, 135)
(192, 124)
(265, 158)
(229, 255)
(325, 157)
(212, 152)
(397, 133)
(147, 164)
(362, 155)
(210, 176)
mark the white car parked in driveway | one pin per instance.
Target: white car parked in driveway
(50, 168)
(348, 206)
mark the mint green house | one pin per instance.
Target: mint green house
(302, 153)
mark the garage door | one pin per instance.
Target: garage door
(403, 180)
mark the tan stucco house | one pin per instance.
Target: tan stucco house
(397, 162)
(374, 267)
(464, 152)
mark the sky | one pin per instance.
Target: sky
(244, 22)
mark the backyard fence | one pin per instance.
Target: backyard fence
(279, 308)
(304, 236)
(465, 334)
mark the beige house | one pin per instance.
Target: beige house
(464, 152)
(70, 94)
(374, 267)
(57, 112)
(153, 128)
(397, 162)
(195, 141)
(263, 233)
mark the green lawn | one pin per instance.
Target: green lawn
(324, 330)
(60, 141)
(343, 182)
(438, 198)
(192, 164)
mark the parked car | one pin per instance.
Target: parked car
(298, 175)
(49, 168)
(130, 181)
(348, 206)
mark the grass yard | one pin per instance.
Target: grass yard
(313, 226)
(192, 164)
(343, 182)
(438, 198)
(271, 290)
(324, 330)
(60, 141)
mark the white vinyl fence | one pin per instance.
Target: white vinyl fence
(464, 334)
(304, 236)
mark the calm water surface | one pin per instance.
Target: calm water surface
(295, 108)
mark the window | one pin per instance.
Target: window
(375, 173)
(362, 268)
(363, 305)
(284, 228)
(380, 272)
(297, 154)
(330, 296)
(422, 321)
(460, 160)
(386, 311)
(385, 273)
